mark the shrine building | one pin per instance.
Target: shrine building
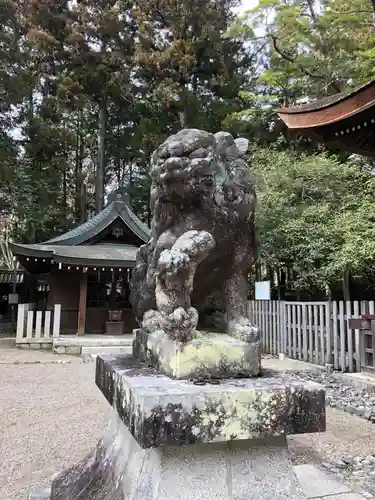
(344, 121)
(88, 270)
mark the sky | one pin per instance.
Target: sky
(248, 4)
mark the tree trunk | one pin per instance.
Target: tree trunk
(120, 177)
(83, 187)
(346, 285)
(282, 284)
(100, 170)
(82, 207)
(182, 117)
(271, 276)
(328, 292)
(65, 186)
(77, 172)
(257, 271)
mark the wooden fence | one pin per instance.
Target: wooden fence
(37, 327)
(316, 332)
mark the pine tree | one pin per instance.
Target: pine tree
(192, 72)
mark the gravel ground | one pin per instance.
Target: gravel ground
(343, 397)
(346, 435)
(52, 414)
(351, 413)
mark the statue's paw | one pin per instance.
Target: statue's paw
(180, 324)
(172, 261)
(151, 321)
(242, 329)
(196, 244)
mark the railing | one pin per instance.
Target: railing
(37, 326)
(315, 332)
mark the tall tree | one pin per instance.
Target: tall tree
(306, 49)
(192, 72)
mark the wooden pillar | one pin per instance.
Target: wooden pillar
(82, 305)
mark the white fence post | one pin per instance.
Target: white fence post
(310, 333)
(304, 333)
(357, 340)
(56, 320)
(336, 358)
(30, 324)
(342, 335)
(283, 328)
(349, 336)
(21, 314)
(47, 325)
(328, 333)
(317, 332)
(38, 325)
(35, 326)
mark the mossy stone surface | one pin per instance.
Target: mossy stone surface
(207, 355)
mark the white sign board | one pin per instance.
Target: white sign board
(13, 298)
(262, 290)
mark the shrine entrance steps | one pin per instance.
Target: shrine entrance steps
(91, 345)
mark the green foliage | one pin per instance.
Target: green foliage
(63, 61)
(94, 86)
(301, 50)
(6, 256)
(315, 216)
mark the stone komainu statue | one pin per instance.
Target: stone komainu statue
(202, 240)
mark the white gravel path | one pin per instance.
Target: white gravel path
(52, 414)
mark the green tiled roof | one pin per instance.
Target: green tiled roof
(75, 247)
(83, 229)
(115, 209)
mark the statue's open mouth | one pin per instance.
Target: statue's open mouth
(181, 189)
(172, 192)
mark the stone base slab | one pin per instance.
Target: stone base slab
(95, 344)
(163, 411)
(37, 494)
(208, 355)
(120, 469)
(34, 345)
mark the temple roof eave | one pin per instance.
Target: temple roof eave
(329, 110)
(94, 255)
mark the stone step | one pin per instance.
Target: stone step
(99, 340)
(115, 349)
(90, 353)
(91, 345)
(316, 483)
(7, 342)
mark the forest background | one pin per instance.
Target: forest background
(89, 88)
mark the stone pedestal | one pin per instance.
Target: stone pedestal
(207, 355)
(174, 439)
(161, 411)
(240, 470)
